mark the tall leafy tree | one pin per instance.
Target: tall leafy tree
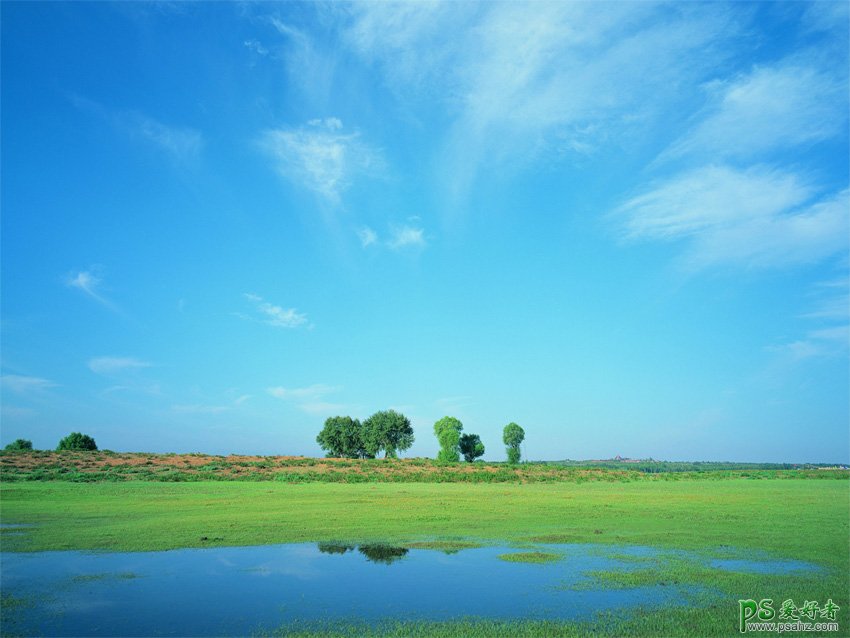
(447, 431)
(471, 447)
(387, 430)
(77, 441)
(513, 435)
(342, 437)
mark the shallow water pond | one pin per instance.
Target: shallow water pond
(239, 590)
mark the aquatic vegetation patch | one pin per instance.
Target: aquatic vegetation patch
(531, 557)
(448, 547)
(88, 578)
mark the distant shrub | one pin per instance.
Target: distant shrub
(19, 445)
(77, 441)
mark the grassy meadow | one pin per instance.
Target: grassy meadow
(782, 514)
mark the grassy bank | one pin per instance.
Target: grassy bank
(804, 519)
(100, 466)
(782, 518)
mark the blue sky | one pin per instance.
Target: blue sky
(622, 226)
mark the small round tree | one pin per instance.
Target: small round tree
(341, 437)
(77, 441)
(448, 431)
(513, 436)
(471, 447)
(387, 430)
(19, 445)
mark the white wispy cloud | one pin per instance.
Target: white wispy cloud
(825, 342)
(90, 283)
(199, 409)
(113, 365)
(22, 384)
(760, 217)
(558, 77)
(406, 237)
(256, 46)
(210, 408)
(784, 105)
(181, 143)
(311, 399)
(400, 237)
(311, 66)
(367, 236)
(828, 333)
(321, 157)
(276, 315)
(832, 300)
(827, 16)
(150, 389)
(312, 393)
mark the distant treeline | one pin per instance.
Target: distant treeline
(651, 466)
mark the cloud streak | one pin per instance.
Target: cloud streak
(321, 158)
(311, 399)
(22, 384)
(564, 78)
(89, 282)
(830, 321)
(312, 392)
(182, 144)
(276, 316)
(403, 237)
(199, 409)
(406, 237)
(758, 218)
(115, 365)
(780, 106)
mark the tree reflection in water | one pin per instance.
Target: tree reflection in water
(374, 552)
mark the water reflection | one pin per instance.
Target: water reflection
(238, 590)
(374, 552)
(385, 554)
(334, 548)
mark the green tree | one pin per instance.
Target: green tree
(342, 437)
(19, 445)
(471, 447)
(448, 431)
(513, 436)
(387, 430)
(77, 441)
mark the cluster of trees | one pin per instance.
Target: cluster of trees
(345, 437)
(390, 431)
(74, 441)
(453, 443)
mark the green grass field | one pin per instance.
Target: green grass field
(786, 518)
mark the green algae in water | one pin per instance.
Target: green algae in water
(531, 557)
